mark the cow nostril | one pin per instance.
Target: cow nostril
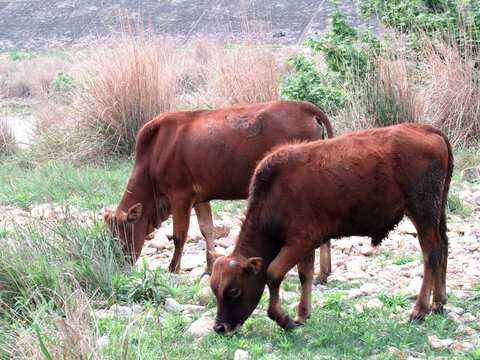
(219, 328)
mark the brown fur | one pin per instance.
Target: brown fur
(185, 159)
(361, 183)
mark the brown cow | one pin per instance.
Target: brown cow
(361, 183)
(185, 159)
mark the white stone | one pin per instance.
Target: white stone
(197, 272)
(368, 288)
(193, 308)
(354, 293)
(414, 285)
(205, 296)
(121, 311)
(374, 303)
(436, 343)
(191, 261)
(172, 305)
(201, 327)
(226, 242)
(101, 342)
(241, 355)
(406, 227)
(160, 241)
(366, 250)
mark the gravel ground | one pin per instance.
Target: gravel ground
(37, 24)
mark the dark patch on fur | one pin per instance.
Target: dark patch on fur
(256, 127)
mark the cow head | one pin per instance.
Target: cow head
(129, 228)
(238, 285)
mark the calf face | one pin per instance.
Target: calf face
(238, 285)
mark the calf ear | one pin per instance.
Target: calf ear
(134, 213)
(254, 264)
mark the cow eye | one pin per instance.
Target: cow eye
(234, 292)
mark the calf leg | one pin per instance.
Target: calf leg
(432, 251)
(440, 281)
(325, 264)
(181, 221)
(305, 273)
(205, 222)
(285, 260)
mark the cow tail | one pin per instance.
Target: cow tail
(320, 115)
(446, 186)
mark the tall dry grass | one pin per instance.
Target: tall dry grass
(8, 144)
(216, 75)
(124, 86)
(452, 90)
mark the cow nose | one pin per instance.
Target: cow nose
(219, 328)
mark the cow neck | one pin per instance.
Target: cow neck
(253, 243)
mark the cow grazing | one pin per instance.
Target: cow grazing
(301, 196)
(185, 159)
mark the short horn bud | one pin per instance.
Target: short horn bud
(233, 264)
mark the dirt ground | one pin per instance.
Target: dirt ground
(37, 24)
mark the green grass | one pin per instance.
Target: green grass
(86, 187)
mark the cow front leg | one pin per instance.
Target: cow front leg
(285, 260)
(325, 264)
(181, 221)
(305, 273)
(205, 222)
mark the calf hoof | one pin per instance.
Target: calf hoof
(290, 324)
(436, 308)
(319, 282)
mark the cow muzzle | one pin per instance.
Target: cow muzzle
(221, 328)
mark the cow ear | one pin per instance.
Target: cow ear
(216, 254)
(134, 213)
(254, 264)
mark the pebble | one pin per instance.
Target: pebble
(368, 288)
(101, 343)
(205, 297)
(455, 309)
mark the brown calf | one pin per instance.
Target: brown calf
(185, 159)
(301, 196)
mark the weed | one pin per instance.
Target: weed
(403, 259)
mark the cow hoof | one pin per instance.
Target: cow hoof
(436, 308)
(416, 317)
(290, 324)
(319, 282)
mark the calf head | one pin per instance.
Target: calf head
(238, 286)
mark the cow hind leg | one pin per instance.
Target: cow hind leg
(305, 273)
(439, 283)
(181, 221)
(205, 222)
(325, 264)
(433, 253)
